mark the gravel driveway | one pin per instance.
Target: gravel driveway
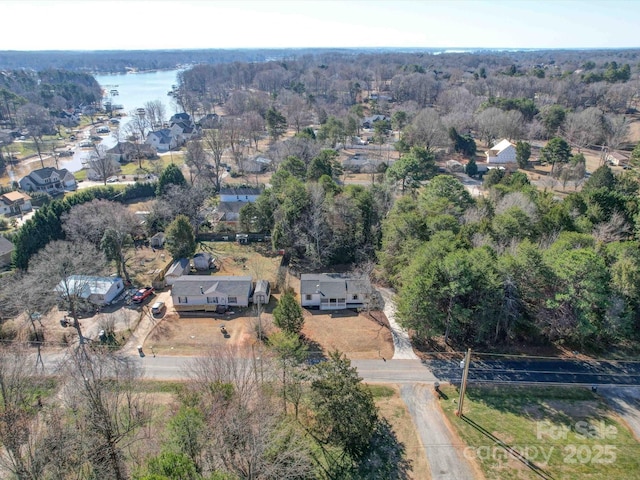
(445, 457)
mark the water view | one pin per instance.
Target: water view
(130, 91)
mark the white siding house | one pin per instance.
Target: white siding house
(502, 152)
(208, 293)
(334, 291)
(97, 290)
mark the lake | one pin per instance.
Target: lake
(136, 89)
(132, 91)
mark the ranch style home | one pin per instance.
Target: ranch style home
(208, 293)
(94, 289)
(334, 291)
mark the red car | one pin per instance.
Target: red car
(142, 294)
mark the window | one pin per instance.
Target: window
(308, 297)
(182, 299)
(355, 296)
(212, 299)
(232, 300)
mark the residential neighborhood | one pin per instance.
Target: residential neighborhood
(322, 263)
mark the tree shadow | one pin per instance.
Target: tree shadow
(539, 471)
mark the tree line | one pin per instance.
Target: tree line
(517, 265)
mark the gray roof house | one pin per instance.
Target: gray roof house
(6, 249)
(49, 180)
(97, 290)
(162, 140)
(209, 293)
(334, 291)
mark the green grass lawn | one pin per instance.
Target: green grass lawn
(543, 433)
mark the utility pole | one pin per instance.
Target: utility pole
(463, 384)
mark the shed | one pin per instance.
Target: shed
(157, 241)
(261, 293)
(179, 268)
(203, 261)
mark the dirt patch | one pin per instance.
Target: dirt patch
(356, 335)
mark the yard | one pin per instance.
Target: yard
(522, 433)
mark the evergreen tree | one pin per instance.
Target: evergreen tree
(170, 176)
(181, 241)
(288, 313)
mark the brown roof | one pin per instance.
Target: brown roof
(15, 196)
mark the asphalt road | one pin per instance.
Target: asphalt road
(553, 371)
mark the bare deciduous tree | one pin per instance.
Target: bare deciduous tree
(62, 272)
(109, 410)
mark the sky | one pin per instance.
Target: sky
(171, 24)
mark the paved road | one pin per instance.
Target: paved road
(554, 371)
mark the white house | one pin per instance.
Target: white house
(179, 268)
(502, 152)
(208, 293)
(334, 291)
(162, 140)
(14, 203)
(97, 290)
(49, 180)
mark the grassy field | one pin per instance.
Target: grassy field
(522, 433)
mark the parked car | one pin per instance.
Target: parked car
(157, 308)
(112, 179)
(142, 294)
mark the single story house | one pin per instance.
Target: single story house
(502, 152)
(6, 249)
(210, 120)
(94, 289)
(49, 180)
(240, 194)
(125, 152)
(180, 267)
(203, 261)
(618, 159)
(368, 122)
(15, 203)
(208, 292)
(228, 212)
(334, 291)
(257, 164)
(157, 241)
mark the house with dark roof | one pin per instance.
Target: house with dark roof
(6, 249)
(162, 140)
(232, 199)
(367, 122)
(14, 203)
(125, 152)
(209, 293)
(49, 180)
(334, 291)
